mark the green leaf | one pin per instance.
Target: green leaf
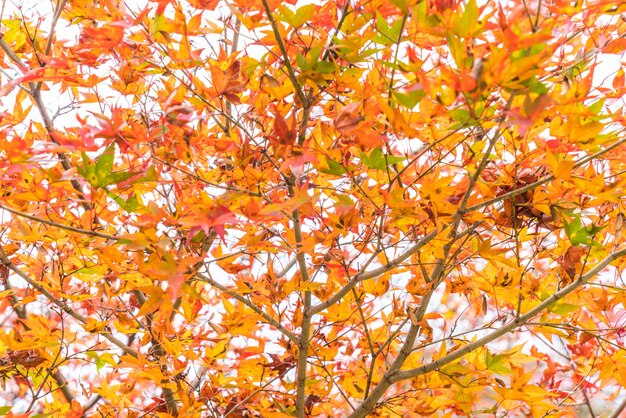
(86, 169)
(343, 200)
(104, 163)
(597, 106)
(573, 226)
(462, 116)
(467, 24)
(324, 67)
(395, 29)
(5, 409)
(157, 24)
(130, 205)
(302, 62)
(303, 15)
(98, 174)
(409, 99)
(579, 234)
(381, 23)
(387, 35)
(101, 360)
(496, 363)
(379, 161)
(119, 176)
(536, 86)
(457, 49)
(286, 15)
(151, 175)
(564, 309)
(334, 168)
(403, 5)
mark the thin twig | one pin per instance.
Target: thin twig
(234, 294)
(4, 259)
(281, 45)
(61, 226)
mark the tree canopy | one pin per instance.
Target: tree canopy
(257, 208)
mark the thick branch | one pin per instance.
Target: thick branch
(362, 275)
(417, 316)
(256, 309)
(618, 411)
(394, 374)
(516, 323)
(305, 333)
(379, 390)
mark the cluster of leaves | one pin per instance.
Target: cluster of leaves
(351, 208)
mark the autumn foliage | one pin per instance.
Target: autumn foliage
(256, 208)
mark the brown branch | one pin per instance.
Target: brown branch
(159, 352)
(379, 390)
(512, 325)
(232, 293)
(55, 20)
(416, 316)
(4, 259)
(543, 181)
(305, 328)
(250, 396)
(281, 45)
(618, 411)
(363, 275)
(58, 225)
(394, 374)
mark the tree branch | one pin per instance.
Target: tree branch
(416, 316)
(4, 259)
(516, 323)
(159, 352)
(618, 411)
(305, 328)
(283, 50)
(362, 275)
(61, 226)
(256, 309)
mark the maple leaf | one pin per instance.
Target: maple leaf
(26, 358)
(107, 36)
(388, 172)
(213, 219)
(283, 133)
(230, 82)
(348, 117)
(204, 4)
(29, 76)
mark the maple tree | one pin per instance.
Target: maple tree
(353, 208)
